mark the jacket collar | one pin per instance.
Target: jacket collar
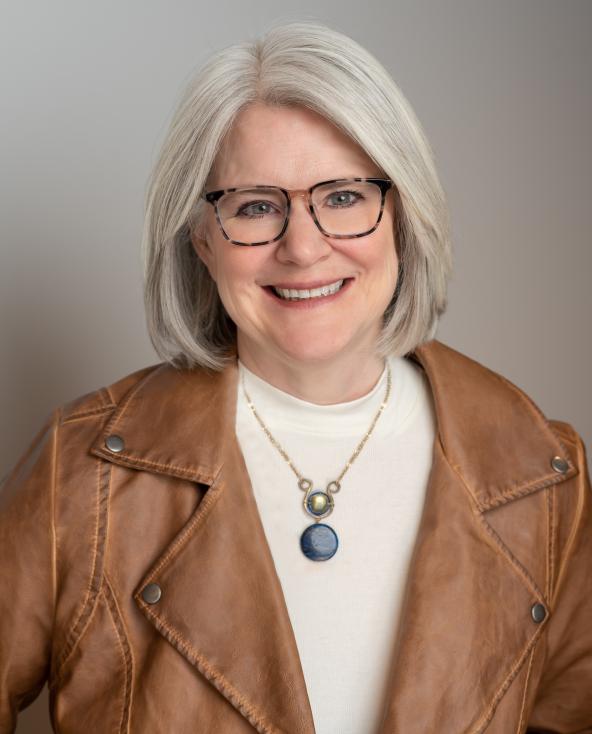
(181, 422)
(222, 605)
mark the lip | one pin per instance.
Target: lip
(309, 302)
(301, 286)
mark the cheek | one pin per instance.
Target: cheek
(236, 273)
(381, 263)
(390, 257)
(383, 271)
(220, 261)
(230, 286)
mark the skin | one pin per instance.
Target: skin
(325, 352)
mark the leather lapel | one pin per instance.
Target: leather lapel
(480, 561)
(222, 604)
(465, 628)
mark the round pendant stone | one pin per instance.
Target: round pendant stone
(319, 542)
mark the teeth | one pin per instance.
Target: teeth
(294, 295)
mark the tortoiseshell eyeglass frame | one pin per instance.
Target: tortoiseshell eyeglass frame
(384, 184)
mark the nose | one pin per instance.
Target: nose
(303, 243)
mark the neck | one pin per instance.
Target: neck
(325, 382)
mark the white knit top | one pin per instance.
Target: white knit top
(344, 611)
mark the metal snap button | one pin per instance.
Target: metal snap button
(559, 464)
(538, 612)
(151, 593)
(114, 443)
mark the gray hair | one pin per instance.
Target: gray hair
(298, 63)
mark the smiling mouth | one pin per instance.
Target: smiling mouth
(294, 294)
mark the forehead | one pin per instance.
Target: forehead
(293, 147)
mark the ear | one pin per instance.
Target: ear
(203, 249)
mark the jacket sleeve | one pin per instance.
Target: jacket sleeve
(27, 574)
(563, 703)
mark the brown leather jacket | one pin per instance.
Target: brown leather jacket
(137, 580)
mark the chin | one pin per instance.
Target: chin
(315, 350)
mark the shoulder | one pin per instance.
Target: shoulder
(464, 381)
(104, 399)
(492, 431)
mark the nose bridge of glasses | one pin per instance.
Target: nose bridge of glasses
(302, 193)
(305, 195)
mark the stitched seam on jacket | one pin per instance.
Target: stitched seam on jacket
(570, 543)
(88, 413)
(455, 469)
(106, 396)
(516, 492)
(94, 584)
(521, 721)
(488, 715)
(503, 549)
(102, 394)
(534, 408)
(521, 572)
(518, 567)
(520, 491)
(123, 406)
(218, 679)
(126, 652)
(523, 490)
(210, 498)
(191, 473)
(552, 530)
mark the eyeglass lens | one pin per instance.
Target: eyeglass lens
(258, 214)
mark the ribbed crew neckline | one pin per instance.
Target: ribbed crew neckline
(279, 409)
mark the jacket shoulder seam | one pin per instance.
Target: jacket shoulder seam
(90, 413)
(564, 432)
(105, 399)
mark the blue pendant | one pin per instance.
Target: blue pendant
(319, 542)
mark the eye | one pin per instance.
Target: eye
(256, 209)
(342, 199)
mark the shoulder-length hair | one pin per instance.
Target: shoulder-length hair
(297, 63)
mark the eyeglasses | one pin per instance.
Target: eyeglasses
(258, 215)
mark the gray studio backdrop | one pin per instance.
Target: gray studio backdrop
(501, 87)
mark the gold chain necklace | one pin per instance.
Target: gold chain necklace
(319, 541)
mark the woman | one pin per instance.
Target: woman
(312, 515)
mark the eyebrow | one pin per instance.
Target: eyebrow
(279, 186)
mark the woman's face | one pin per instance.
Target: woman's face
(295, 148)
